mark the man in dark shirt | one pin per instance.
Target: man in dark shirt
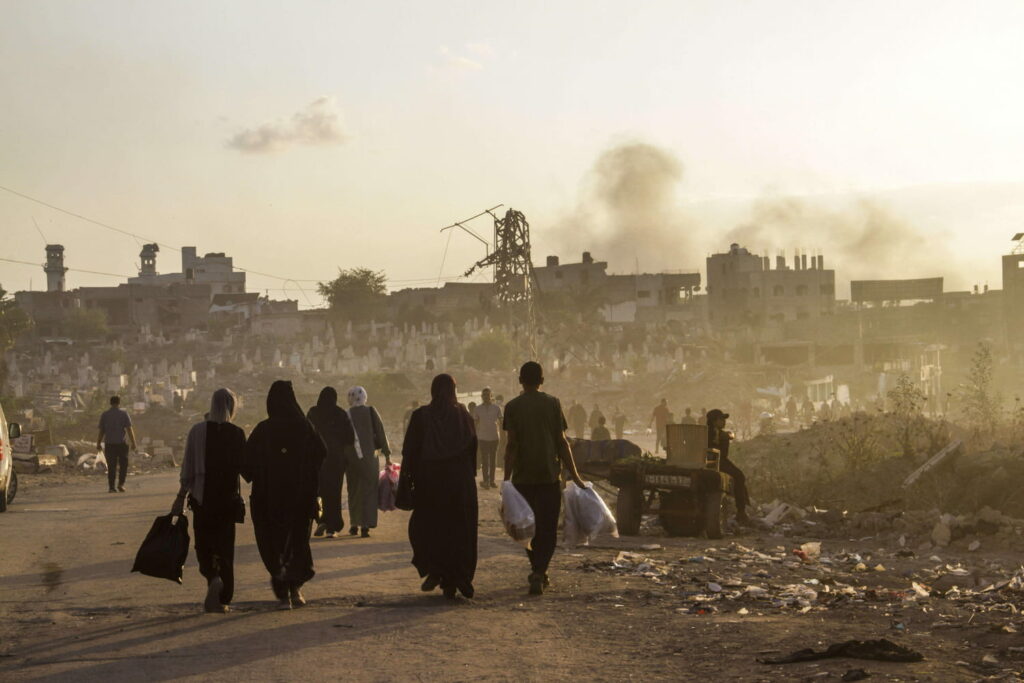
(719, 438)
(660, 418)
(600, 432)
(537, 452)
(115, 425)
(578, 419)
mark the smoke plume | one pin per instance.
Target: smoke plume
(632, 211)
(629, 212)
(319, 123)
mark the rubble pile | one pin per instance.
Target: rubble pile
(920, 530)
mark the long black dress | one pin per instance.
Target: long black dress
(335, 428)
(282, 460)
(439, 454)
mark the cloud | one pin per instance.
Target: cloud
(461, 62)
(318, 124)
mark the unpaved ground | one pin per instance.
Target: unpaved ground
(71, 610)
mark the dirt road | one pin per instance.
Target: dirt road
(70, 610)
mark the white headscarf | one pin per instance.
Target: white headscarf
(357, 397)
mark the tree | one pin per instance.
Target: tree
(13, 322)
(356, 293)
(85, 323)
(907, 401)
(980, 406)
(491, 351)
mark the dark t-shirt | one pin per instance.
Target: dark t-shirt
(538, 423)
(114, 424)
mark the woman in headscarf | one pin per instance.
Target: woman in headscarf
(209, 478)
(364, 468)
(439, 455)
(335, 429)
(282, 460)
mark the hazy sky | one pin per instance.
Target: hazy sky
(340, 134)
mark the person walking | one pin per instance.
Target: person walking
(364, 471)
(439, 456)
(209, 479)
(594, 420)
(619, 420)
(578, 419)
(719, 438)
(115, 427)
(660, 417)
(487, 417)
(536, 454)
(335, 428)
(600, 432)
(282, 459)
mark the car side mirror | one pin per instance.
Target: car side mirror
(14, 430)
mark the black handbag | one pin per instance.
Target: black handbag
(405, 498)
(163, 553)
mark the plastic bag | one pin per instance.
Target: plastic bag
(586, 515)
(387, 487)
(163, 553)
(516, 515)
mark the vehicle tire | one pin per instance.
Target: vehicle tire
(678, 514)
(5, 495)
(711, 513)
(628, 508)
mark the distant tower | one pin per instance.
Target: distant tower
(55, 268)
(148, 256)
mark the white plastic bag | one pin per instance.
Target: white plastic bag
(516, 514)
(586, 515)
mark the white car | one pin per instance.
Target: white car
(8, 477)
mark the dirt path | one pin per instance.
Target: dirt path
(70, 609)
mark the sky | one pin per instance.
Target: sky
(305, 137)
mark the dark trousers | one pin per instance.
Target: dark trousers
(488, 456)
(284, 549)
(332, 474)
(739, 484)
(215, 547)
(546, 502)
(117, 457)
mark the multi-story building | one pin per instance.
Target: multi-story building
(744, 291)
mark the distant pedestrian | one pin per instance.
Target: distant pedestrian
(365, 469)
(688, 418)
(600, 432)
(578, 419)
(660, 418)
(335, 428)
(487, 418)
(439, 456)
(536, 454)
(115, 428)
(619, 421)
(283, 457)
(209, 478)
(595, 418)
(703, 418)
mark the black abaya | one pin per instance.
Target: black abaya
(282, 460)
(334, 427)
(439, 453)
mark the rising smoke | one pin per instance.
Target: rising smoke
(630, 211)
(633, 211)
(319, 123)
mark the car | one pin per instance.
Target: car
(8, 477)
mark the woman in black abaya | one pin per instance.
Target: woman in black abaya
(335, 428)
(282, 460)
(439, 455)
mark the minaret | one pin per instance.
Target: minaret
(55, 268)
(148, 256)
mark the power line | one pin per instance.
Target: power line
(75, 270)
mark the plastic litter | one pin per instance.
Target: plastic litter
(516, 515)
